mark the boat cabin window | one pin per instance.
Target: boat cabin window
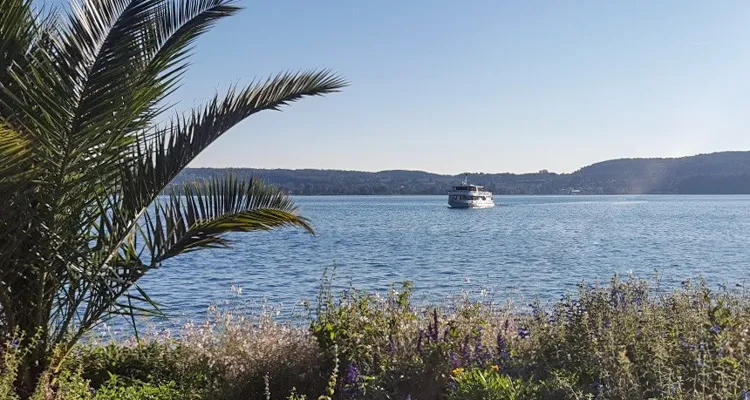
(462, 197)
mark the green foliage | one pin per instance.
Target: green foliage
(147, 361)
(622, 341)
(72, 383)
(69, 385)
(359, 325)
(627, 341)
(370, 336)
(489, 384)
(113, 390)
(11, 359)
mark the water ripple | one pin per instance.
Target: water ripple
(529, 246)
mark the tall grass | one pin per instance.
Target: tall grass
(628, 339)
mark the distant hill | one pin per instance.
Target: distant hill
(716, 173)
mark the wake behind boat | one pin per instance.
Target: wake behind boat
(469, 196)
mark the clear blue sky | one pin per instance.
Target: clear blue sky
(490, 86)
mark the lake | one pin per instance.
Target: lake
(524, 247)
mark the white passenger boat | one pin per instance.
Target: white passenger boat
(469, 196)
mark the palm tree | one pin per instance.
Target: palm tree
(87, 150)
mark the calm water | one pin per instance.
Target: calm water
(527, 246)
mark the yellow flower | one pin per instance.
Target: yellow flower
(457, 371)
(495, 368)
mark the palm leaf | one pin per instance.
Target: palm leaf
(17, 27)
(200, 214)
(169, 38)
(140, 59)
(14, 157)
(174, 146)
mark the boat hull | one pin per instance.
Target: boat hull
(471, 204)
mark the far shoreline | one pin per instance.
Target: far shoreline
(527, 195)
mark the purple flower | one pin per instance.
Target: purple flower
(455, 362)
(15, 343)
(597, 386)
(534, 310)
(352, 374)
(745, 394)
(523, 333)
(699, 362)
(351, 381)
(617, 298)
(716, 329)
(502, 346)
(501, 343)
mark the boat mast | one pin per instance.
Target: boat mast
(466, 179)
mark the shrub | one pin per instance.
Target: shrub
(625, 340)
(628, 341)
(113, 390)
(489, 384)
(146, 361)
(236, 352)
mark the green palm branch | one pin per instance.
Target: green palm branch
(88, 144)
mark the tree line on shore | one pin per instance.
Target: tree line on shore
(716, 173)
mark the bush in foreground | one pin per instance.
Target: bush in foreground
(625, 340)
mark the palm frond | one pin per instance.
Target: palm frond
(104, 52)
(137, 62)
(24, 32)
(14, 156)
(17, 26)
(169, 38)
(87, 98)
(174, 146)
(200, 214)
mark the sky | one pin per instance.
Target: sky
(483, 86)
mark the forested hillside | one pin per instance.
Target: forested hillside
(717, 173)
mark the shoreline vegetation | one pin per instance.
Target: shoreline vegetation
(715, 173)
(624, 340)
